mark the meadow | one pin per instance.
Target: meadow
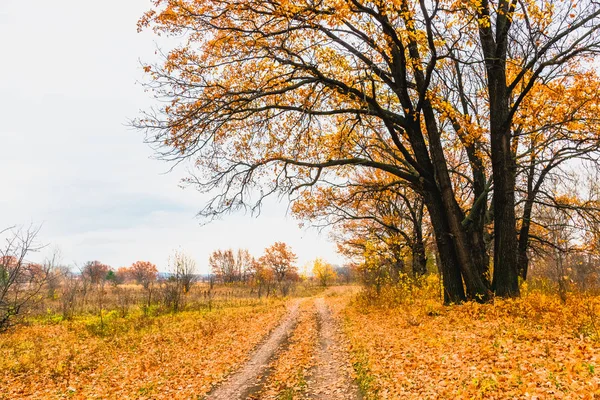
(400, 343)
(139, 353)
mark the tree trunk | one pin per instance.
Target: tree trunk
(476, 285)
(454, 292)
(494, 45)
(419, 258)
(522, 258)
(506, 281)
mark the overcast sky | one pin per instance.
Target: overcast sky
(68, 87)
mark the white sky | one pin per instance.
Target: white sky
(68, 87)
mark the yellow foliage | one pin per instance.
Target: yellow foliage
(323, 271)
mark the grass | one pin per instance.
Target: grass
(138, 356)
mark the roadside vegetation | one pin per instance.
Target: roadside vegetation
(406, 344)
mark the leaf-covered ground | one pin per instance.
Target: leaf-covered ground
(402, 344)
(292, 364)
(309, 361)
(169, 356)
(530, 348)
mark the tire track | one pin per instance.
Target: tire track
(331, 378)
(238, 385)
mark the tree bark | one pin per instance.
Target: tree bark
(419, 258)
(476, 285)
(522, 257)
(454, 291)
(494, 45)
(506, 281)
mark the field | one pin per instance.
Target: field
(334, 343)
(137, 356)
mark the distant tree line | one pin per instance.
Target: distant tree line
(275, 269)
(25, 285)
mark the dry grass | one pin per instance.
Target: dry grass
(167, 356)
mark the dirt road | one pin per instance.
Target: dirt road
(329, 379)
(249, 376)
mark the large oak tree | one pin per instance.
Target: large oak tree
(278, 95)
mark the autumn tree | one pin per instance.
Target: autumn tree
(563, 224)
(223, 266)
(280, 259)
(95, 272)
(372, 206)
(587, 266)
(262, 277)
(123, 274)
(560, 141)
(323, 271)
(286, 95)
(20, 280)
(378, 258)
(560, 238)
(69, 288)
(182, 268)
(229, 266)
(244, 264)
(55, 271)
(144, 273)
(346, 273)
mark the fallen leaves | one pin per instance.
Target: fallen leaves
(170, 356)
(525, 348)
(291, 367)
(528, 348)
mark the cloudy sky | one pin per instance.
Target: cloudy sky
(69, 161)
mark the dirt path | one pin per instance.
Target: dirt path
(238, 384)
(331, 378)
